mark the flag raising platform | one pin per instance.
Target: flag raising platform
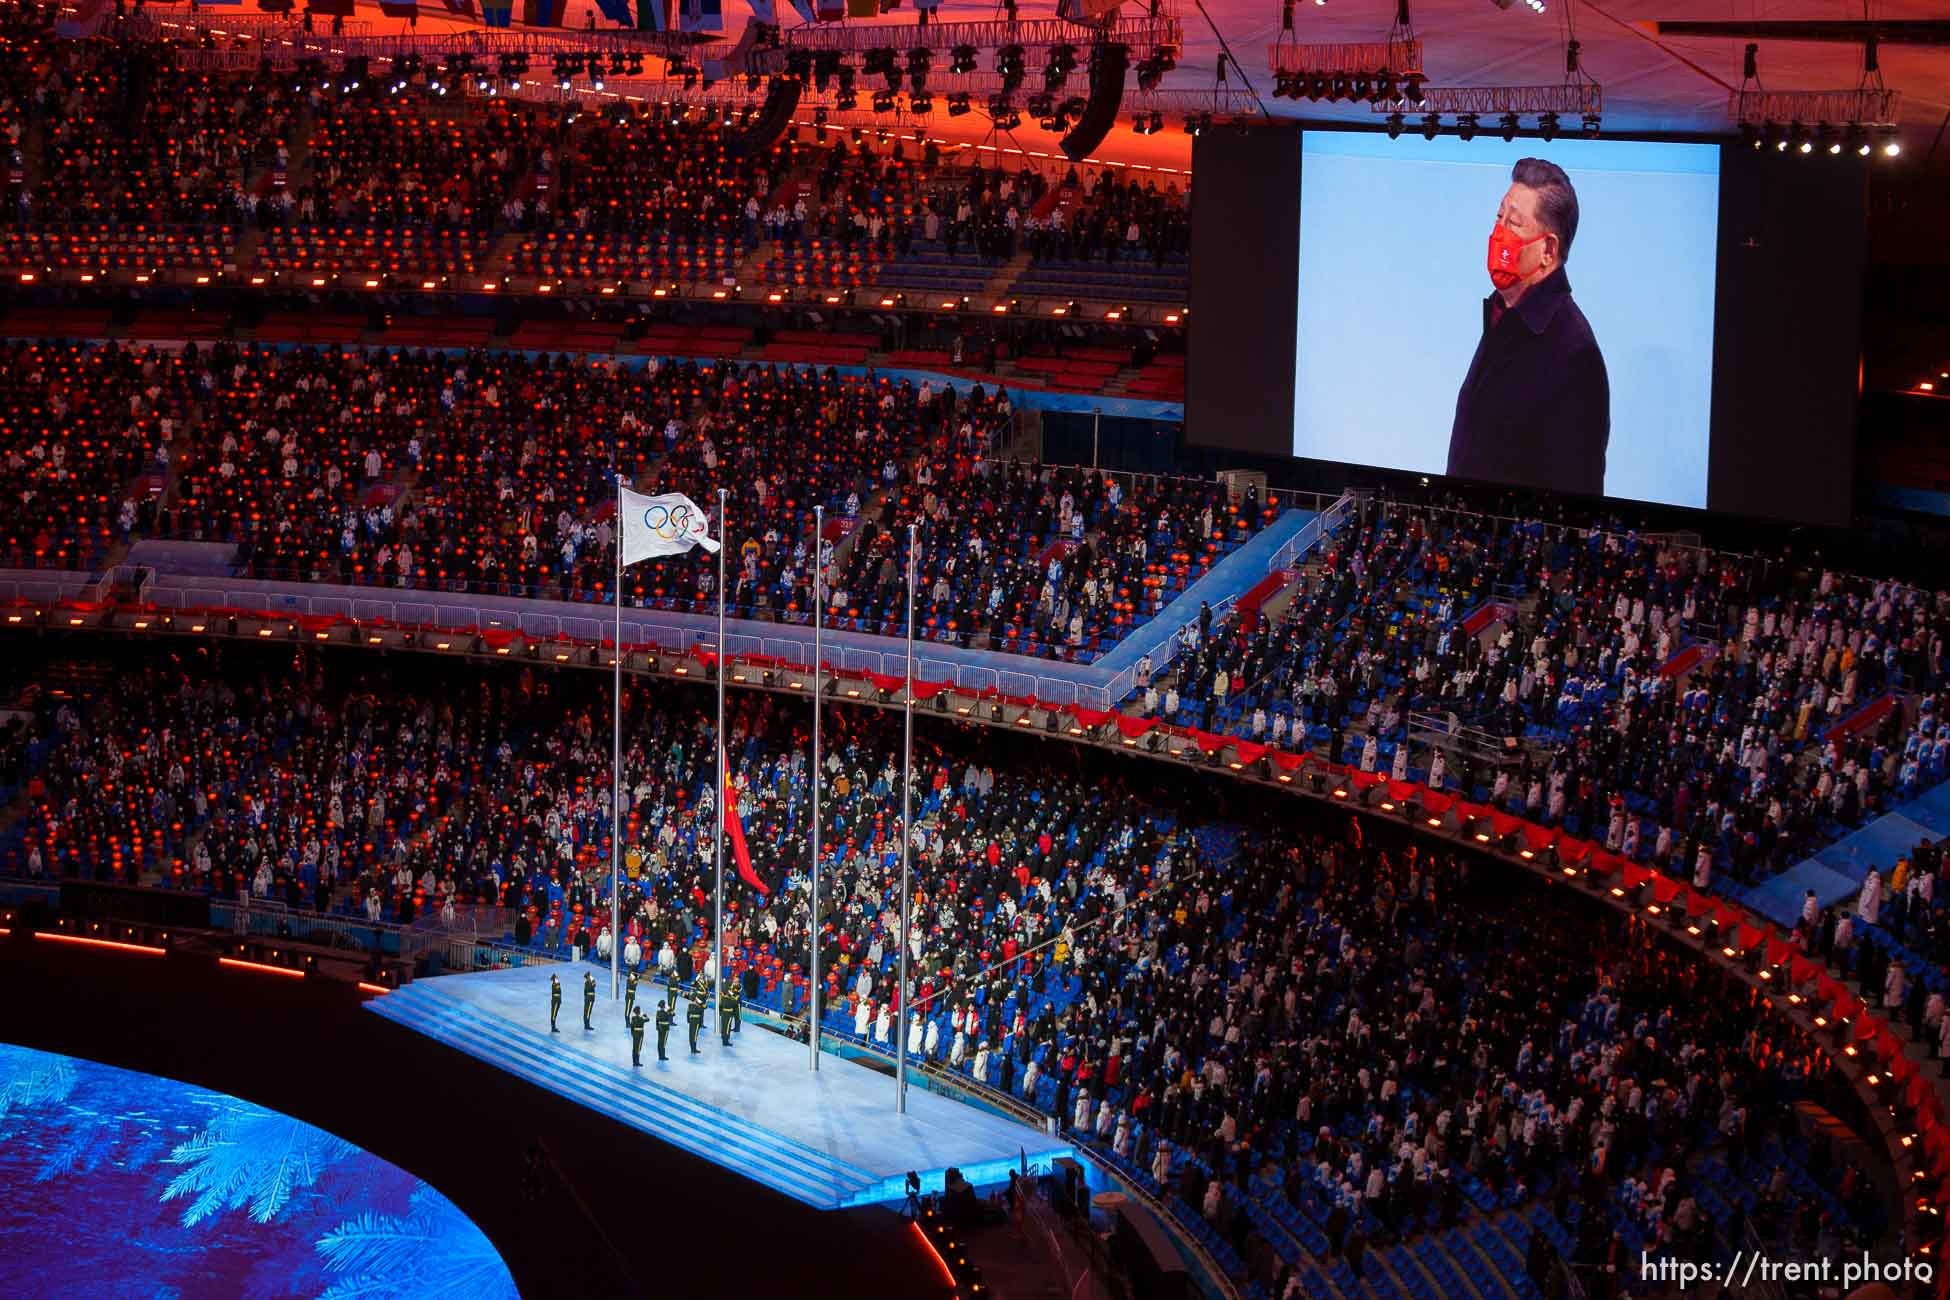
(830, 1140)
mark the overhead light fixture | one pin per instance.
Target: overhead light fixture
(1546, 127)
(1466, 127)
(1395, 124)
(1431, 125)
(1508, 126)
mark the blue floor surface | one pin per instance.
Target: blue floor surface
(830, 1139)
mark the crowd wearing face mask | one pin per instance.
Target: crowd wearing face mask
(1314, 1044)
(1709, 712)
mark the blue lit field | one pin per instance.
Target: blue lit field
(114, 1183)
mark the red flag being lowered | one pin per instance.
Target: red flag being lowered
(735, 830)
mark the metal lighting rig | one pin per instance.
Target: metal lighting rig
(1833, 120)
(1572, 99)
(481, 50)
(1163, 32)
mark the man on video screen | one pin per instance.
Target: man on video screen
(1535, 407)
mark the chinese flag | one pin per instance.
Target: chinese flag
(735, 829)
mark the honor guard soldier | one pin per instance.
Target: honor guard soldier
(588, 999)
(637, 1022)
(629, 997)
(666, 1017)
(554, 1002)
(724, 1014)
(737, 1007)
(694, 1016)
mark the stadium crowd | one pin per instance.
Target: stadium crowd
(1312, 1040)
(140, 158)
(1685, 706)
(421, 470)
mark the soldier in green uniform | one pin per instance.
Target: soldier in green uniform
(588, 999)
(637, 1021)
(629, 998)
(666, 1017)
(694, 1015)
(725, 996)
(737, 1007)
(554, 1002)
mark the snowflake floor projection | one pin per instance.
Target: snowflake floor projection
(117, 1183)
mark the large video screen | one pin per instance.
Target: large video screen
(1537, 314)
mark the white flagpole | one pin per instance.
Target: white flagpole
(819, 620)
(724, 757)
(907, 837)
(616, 778)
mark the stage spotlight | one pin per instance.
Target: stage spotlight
(1798, 137)
(1197, 123)
(1592, 124)
(920, 103)
(883, 101)
(1412, 89)
(958, 105)
(963, 59)
(1157, 122)
(1138, 124)
(1891, 146)
(1384, 87)
(1750, 135)
(1363, 88)
(1466, 127)
(1831, 143)
(1858, 139)
(1546, 127)
(1509, 127)
(1395, 123)
(845, 99)
(1431, 125)
(1010, 66)
(1062, 62)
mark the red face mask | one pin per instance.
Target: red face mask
(1506, 252)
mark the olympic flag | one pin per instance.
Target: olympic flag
(662, 525)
